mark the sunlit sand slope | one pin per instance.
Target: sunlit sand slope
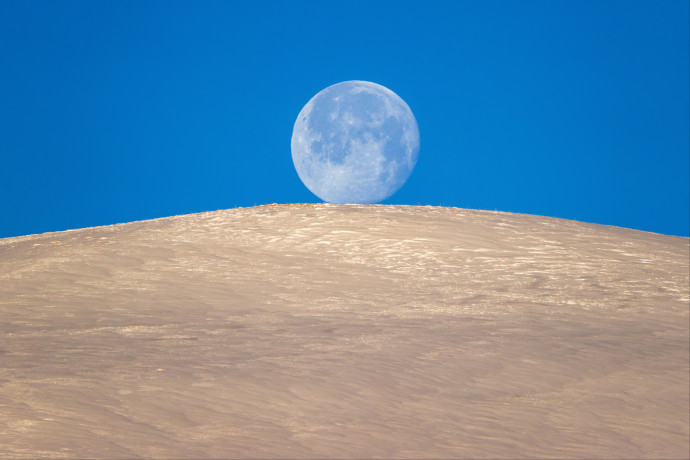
(345, 331)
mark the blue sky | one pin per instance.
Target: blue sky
(115, 111)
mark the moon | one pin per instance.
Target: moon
(355, 142)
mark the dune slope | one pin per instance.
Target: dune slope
(315, 331)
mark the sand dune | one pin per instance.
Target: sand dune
(312, 331)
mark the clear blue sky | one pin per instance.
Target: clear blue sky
(114, 111)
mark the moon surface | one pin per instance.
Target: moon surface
(355, 142)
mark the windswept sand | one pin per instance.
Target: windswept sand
(345, 331)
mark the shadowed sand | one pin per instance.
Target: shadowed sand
(345, 331)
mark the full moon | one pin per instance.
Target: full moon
(355, 142)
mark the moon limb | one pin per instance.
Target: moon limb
(355, 142)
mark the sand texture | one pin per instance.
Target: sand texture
(313, 331)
